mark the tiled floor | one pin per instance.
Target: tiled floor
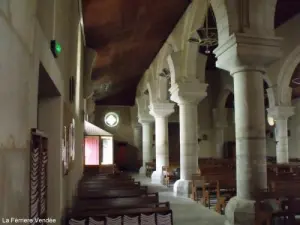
(185, 211)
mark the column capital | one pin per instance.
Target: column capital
(145, 119)
(188, 92)
(246, 52)
(161, 109)
(281, 112)
(136, 125)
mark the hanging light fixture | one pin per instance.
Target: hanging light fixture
(208, 35)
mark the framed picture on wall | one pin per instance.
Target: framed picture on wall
(72, 141)
(65, 152)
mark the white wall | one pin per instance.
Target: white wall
(294, 126)
(24, 44)
(51, 122)
(123, 131)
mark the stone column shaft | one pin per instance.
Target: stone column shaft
(245, 56)
(219, 143)
(138, 139)
(160, 111)
(187, 95)
(147, 144)
(161, 142)
(188, 140)
(281, 114)
(250, 132)
(282, 146)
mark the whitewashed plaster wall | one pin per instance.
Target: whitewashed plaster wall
(294, 126)
(123, 131)
(23, 45)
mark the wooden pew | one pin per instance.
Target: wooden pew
(226, 189)
(169, 173)
(113, 193)
(283, 205)
(108, 199)
(106, 203)
(197, 181)
(150, 167)
(156, 216)
(144, 208)
(122, 176)
(214, 180)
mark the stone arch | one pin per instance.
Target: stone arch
(173, 61)
(142, 103)
(253, 16)
(223, 96)
(166, 50)
(285, 74)
(150, 89)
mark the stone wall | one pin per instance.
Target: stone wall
(294, 127)
(27, 27)
(123, 131)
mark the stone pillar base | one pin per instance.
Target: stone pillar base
(183, 188)
(142, 170)
(157, 177)
(240, 212)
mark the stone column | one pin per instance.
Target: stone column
(137, 138)
(245, 57)
(220, 121)
(219, 142)
(281, 114)
(187, 95)
(161, 111)
(147, 143)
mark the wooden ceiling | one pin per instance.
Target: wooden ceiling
(127, 35)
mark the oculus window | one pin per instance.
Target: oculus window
(111, 119)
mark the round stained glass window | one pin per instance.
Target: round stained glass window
(111, 119)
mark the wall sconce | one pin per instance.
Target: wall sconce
(271, 121)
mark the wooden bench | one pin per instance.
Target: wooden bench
(215, 182)
(118, 176)
(113, 193)
(107, 203)
(156, 216)
(169, 173)
(283, 205)
(143, 208)
(150, 167)
(226, 189)
(108, 200)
